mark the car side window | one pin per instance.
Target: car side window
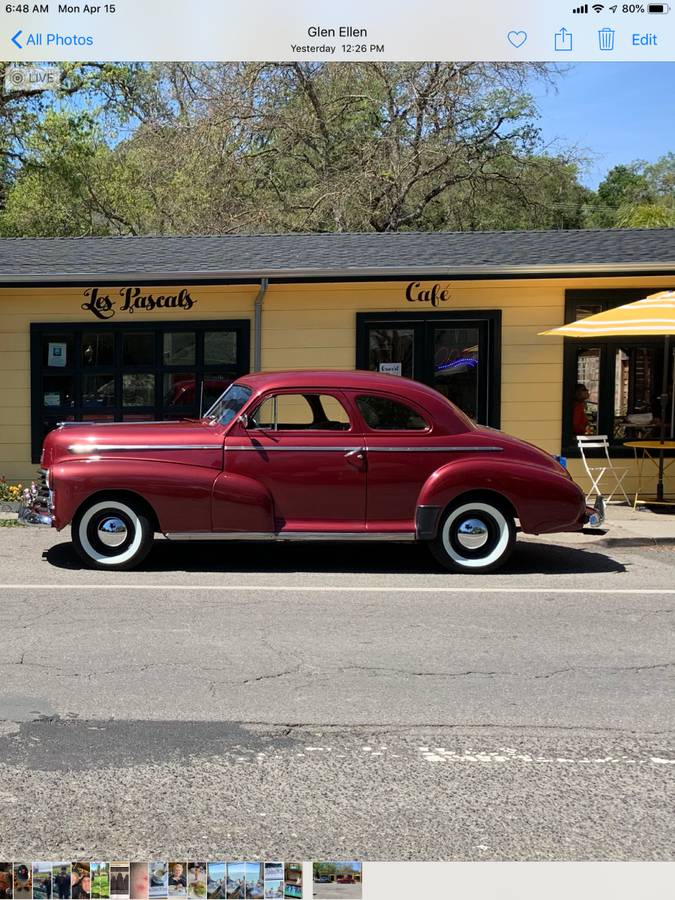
(301, 412)
(383, 414)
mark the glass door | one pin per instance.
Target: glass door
(457, 363)
(456, 354)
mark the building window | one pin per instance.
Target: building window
(154, 371)
(457, 353)
(613, 386)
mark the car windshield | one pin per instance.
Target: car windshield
(229, 403)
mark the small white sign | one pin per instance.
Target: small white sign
(52, 400)
(391, 368)
(57, 355)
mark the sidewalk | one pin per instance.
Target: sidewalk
(623, 527)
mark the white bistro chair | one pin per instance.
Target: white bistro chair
(604, 468)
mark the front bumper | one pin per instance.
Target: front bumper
(39, 509)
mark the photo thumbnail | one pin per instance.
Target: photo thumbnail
(100, 880)
(119, 880)
(62, 874)
(6, 881)
(42, 881)
(23, 881)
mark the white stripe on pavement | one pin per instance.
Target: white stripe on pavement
(326, 589)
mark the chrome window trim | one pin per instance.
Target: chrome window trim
(86, 449)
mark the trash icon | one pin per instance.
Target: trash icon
(606, 38)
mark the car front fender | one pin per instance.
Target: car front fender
(179, 494)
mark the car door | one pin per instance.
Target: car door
(399, 440)
(304, 448)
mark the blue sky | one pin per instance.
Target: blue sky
(615, 112)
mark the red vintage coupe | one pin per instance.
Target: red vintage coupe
(340, 456)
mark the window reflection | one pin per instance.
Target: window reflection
(586, 392)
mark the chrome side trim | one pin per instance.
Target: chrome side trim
(398, 536)
(304, 448)
(143, 422)
(435, 449)
(86, 449)
(264, 447)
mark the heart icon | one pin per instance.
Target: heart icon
(517, 38)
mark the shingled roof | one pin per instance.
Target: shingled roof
(241, 257)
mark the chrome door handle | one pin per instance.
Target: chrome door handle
(356, 457)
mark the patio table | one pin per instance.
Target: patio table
(651, 450)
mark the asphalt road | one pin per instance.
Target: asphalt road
(333, 702)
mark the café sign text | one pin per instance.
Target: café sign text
(435, 295)
(103, 306)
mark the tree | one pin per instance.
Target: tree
(217, 148)
(624, 186)
(657, 209)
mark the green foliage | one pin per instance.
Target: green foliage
(178, 148)
(636, 196)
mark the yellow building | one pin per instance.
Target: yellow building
(124, 329)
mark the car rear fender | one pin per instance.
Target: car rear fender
(541, 498)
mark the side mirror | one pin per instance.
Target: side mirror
(243, 420)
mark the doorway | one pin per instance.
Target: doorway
(457, 354)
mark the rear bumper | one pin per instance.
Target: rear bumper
(595, 515)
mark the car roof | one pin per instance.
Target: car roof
(332, 378)
(356, 380)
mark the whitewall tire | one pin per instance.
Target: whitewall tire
(112, 534)
(474, 536)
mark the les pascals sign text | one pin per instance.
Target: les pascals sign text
(103, 306)
(435, 295)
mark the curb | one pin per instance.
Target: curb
(636, 542)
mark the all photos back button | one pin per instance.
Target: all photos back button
(51, 39)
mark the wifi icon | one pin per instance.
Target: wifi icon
(598, 7)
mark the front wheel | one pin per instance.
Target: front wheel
(112, 534)
(475, 537)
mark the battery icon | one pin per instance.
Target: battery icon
(658, 8)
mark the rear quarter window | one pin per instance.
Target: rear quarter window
(385, 414)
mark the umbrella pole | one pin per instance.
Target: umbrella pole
(664, 403)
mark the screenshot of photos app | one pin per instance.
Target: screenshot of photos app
(337, 449)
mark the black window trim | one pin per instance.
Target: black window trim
(492, 318)
(607, 298)
(242, 327)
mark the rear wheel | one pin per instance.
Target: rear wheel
(112, 534)
(474, 536)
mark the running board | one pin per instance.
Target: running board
(290, 536)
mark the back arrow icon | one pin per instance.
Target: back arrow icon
(14, 40)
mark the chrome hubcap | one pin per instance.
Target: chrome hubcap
(112, 532)
(472, 534)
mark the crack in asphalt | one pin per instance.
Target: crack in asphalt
(62, 672)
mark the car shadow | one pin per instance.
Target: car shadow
(529, 558)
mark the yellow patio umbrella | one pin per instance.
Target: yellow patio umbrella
(654, 315)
